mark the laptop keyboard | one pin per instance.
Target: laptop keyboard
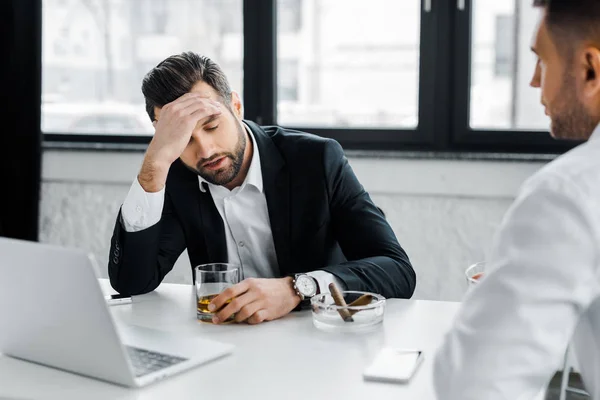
(145, 361)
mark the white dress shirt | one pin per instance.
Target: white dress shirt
(542, 290)
(245, 216)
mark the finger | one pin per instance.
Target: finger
(199, 110)
(248, 310)
(258, 317)
(183, 103)
(235, 306)
(227, 294)
(189, 98)
(193, 111)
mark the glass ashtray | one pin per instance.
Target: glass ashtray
(365, 315)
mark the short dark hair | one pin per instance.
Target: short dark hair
(176, 75)
(572, 19)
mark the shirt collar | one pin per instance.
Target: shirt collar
(254, 176)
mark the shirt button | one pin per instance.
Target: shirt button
(241, 244)
(138, 209)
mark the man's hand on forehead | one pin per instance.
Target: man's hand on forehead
(174, 124)
(186, 100)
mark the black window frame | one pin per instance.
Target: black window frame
(464, 137)
(444, 90)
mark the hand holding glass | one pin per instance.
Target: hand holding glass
(211, 280)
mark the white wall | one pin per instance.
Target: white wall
(444, 212)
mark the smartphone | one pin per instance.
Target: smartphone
(116, 299)
(394, 365)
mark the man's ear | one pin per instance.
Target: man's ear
(590, 73)
(236, 105)
(591, 88)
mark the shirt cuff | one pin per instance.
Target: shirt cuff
(324, 278)
(141, 209)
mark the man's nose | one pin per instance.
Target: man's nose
(204, 145)
(535, 79)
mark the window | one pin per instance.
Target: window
(96, 52)
(93, 118)
(423, 75)
(504, 49)
(287, 89)
(357, 63)
(493, 109)
(289, 16)
(502, 65)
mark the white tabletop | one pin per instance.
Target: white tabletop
(284, 359)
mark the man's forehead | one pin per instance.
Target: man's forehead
(203, 93)
(204, 89)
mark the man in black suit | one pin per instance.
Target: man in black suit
(285, 205)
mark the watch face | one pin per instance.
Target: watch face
(306, 285)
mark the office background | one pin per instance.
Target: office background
(429, 99)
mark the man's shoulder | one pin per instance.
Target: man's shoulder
(294, 144)
(286, 137)
(578, 168)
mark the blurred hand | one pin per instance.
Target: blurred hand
(256, 300)
(173, 131)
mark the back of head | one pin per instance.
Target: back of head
(177, 74)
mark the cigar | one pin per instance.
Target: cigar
(363, 300)
(339, 301)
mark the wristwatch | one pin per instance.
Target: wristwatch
(305, 286)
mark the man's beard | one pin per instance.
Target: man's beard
(224, 176)
(571, 120)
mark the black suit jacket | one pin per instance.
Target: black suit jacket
(321, 218)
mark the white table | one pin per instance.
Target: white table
(283, 359)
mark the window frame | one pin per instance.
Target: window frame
(494, 140)
(444, 91)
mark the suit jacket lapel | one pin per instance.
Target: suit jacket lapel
(276, 184)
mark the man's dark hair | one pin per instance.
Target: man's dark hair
(176, 75)
(570, 20)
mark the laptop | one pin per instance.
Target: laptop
(53, 312)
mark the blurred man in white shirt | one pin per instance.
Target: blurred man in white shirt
(542, 288)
